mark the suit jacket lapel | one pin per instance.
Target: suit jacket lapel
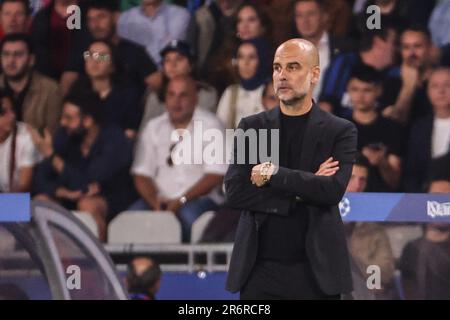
(313, 131)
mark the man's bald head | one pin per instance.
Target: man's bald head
(301, 47)
(295, 72)
(181, 99)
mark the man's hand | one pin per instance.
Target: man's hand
(172, 205)
(93, 189)
(260, 171)
(375, 156)
(43, 144)
(328, 168)
(410, 76)
(64, 193)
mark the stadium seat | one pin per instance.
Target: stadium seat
(400, 235)
(199, 225)
(88, 221)
(140, 227)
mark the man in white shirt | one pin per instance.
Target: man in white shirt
(430, 135)
(188, 188)
(18, 154)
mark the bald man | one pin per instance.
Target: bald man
(290, 242)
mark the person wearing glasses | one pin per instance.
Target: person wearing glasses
(36, 98)
(18, 154)
(189, 188)
(119, 100)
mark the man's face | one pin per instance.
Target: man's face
(175, 64)
(294, 73)
(7, 116)
(16, 60)
(439, 90)
(269, 99)
(309, 19)
(358, 180)
(71, 119)
(99, 63)
(13, 17)
(101, 24)
(247, 61)
(415, 48)
(363, 95)
(181, 99)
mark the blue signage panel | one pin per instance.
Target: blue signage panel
(15, 207)
(399, 207)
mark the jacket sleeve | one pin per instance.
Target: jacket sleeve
(241, 194)
(321, 190)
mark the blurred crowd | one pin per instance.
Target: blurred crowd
(87, 114)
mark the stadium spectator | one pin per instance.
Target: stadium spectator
(425, 262)
(14, 17)
(430, 135)
(311, 24)
(251, 24)
(215, 23)
(143, 278)
(18, 154)
(87, 163)
(120, 102)
(187, 189)
(377, 50)
(269, 98)
(368, 244)
(135, 63)
(154, 24)
(379, 139)
(339, 17)
(244, 99)
(395, 11)
(178, 60)
(53, 40)
(406, 95)
(36, 98)
(439, 24)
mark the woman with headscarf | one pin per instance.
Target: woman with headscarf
(244, 99)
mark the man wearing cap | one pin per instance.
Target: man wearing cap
(178, 60)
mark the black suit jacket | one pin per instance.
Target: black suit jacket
(325, 135)
(418, 155)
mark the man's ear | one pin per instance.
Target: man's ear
(315, 75)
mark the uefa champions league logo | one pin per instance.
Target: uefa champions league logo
(344, 207)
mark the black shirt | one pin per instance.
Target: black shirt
(420, 104)
(282, 238)
(387, 132)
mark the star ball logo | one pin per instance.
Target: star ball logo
(344, 207)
